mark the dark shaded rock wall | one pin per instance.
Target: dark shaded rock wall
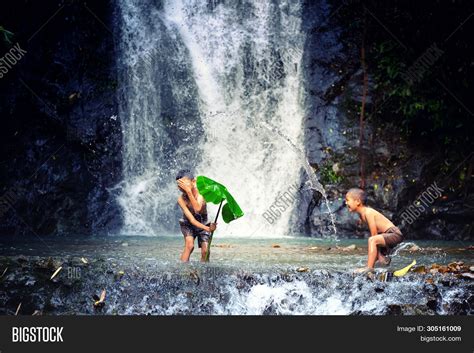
(397, 171)
(61, 138)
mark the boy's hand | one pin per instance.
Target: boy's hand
(212, 227)
(184, 185)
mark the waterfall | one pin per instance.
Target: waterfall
(202, 83)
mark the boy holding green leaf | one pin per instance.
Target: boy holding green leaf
(194, 221)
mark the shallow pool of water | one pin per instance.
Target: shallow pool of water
(285, 276)
(252, 253)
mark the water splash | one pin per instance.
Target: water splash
(402, 247)
(312, 178)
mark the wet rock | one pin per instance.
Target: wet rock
(119, 275)
(302, 269)
(467, 275)
(22, 259)
(414, 248)
(419, 269)
(409, 309)
(458, 306)
(379, 289)
(270, 309)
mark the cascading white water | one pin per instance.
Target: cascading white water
(244, 59)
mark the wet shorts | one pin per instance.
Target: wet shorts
(191, 231)
(392, 236)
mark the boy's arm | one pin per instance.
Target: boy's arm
(370, 217)
(197, 203)
(190, 216)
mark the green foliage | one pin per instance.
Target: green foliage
(420, 109)
(6, 36)
(329, 176)
(435, 109)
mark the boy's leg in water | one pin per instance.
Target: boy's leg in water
(204, 247)
(188, 247)
(382, 257)
(374, 242)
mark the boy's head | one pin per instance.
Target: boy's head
(185, 173)
(355, 198)
(186, 176)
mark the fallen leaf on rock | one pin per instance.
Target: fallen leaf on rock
(195, 276)
(454, 267)
(467, 275)
(443, 269)
(99, 302)
(419, 269)
(302, 269)
(402, 272)
(74, 96)
(56, 272)
(276, 246)
(5, 271)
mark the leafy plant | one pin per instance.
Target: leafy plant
(6, 35)
(329, 176)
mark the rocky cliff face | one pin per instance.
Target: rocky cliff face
(402, 178)
(61, 138)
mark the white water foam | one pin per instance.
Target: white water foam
(245, 59)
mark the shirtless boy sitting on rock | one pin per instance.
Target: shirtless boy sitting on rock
(384, 235)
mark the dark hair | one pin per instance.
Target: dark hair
(184, 173)
(358, 194)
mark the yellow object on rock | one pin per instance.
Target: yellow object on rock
(402, 272)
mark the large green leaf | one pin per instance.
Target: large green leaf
(211, 190)
(231, 209)
(214, 192)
